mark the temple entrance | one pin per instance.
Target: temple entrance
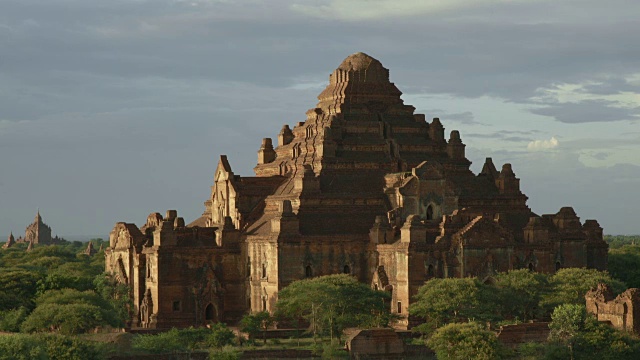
(429, 212)
(210, 313)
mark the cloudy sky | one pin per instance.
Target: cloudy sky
(110, 110)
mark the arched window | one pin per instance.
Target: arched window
(210, 313)
(429, 212)
(264, 271)
(399, 307)
(430, 272)
(264, 304)
(307, 271)
(347, 269)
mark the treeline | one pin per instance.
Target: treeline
(617, 241)
(459, 315)
(58, 289)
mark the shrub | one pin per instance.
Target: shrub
(10, 320)
(220, 336)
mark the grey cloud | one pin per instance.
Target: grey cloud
(611, 86)
(588, 111)
(504, 135)
(465, 117)
(126, 104)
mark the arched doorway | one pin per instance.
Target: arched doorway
(558, 265)
(308, 272)
(532, 267)
(347, 269)
(430, 272)
(429, 212)
(210, 313)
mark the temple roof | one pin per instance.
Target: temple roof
(358, 61)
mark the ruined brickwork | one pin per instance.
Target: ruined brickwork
(623, 311)
(363, 186)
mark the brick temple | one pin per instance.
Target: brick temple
(364, 186)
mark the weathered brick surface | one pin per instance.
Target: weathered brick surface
(622, 312)
(363, 186)
(514, 335)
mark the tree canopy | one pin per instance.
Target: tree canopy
(332, 303)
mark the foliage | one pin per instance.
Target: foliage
(73, 275)
(624, 264)
(464, 341)
(332, 303)
(226, 353)
(169, 341)
(254, 323)
(519, 293)
(21, 347)
(17, 288)
(45, 347)
(117, 294)
(180, 340)
(66, 348)
(441, 301)
(220, 336)
(569, 286)
(618, 241)
(10, 320)
(567, 322)
(70, 311)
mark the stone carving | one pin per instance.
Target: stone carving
(146, 309)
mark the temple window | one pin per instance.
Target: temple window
(429, 212)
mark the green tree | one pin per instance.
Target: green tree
(464, 341)
(255, 323)
(18, 288)
(567, 322)
(10, 320)
(624, 264)
(165, 342)
(21, 347)
(441, 301)
(220, 336)
(67, 348)
(569, 286)
(519, 293)
(117, 294)
(70, 311)
(332, 303)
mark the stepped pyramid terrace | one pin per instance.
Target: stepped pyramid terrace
(363, 186)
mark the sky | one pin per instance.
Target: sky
(111, 110)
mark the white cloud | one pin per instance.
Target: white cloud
(374, 9)
(538, 145)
